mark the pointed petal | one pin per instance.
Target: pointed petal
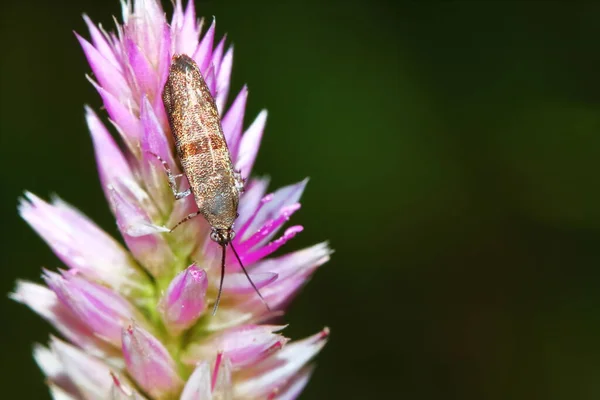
(109, 77)
(203, 54)
(90, 375)
(233, 122)
(101, 309)
(184, 28)
(224, 79)
(250, 201)
(149, 363)
(59, 394)
(122, 116)
(277, 371)
(184, 301)
(101, 42)
(268, 230)
(144, 73)
(285, 196)
(250, 144)
(138, 231)
(293, 389)
(198, 384)
(53, 369)
(252, 257)
(238, 284)
(295, 269)
(81, 245)
(244, 346)
(221, 380)
(45, 303)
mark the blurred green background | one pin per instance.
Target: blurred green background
(453, 150)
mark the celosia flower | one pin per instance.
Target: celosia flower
(134, 319)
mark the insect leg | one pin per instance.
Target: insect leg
(171, 178)
(190, 216)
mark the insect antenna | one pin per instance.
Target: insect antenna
(249, 279)
(224, 248)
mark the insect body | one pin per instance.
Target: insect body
(204, 155)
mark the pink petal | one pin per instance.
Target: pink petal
(44, 302)
(154, 138)
(112, 165)
(122, 116)
(295, 269)
(238, 284)
(203, 54)
(252, 257)
(293, 389)
(198, 386)
(154, 142)
(101, 43)
(184, 28)
(81, 245)
(149, 363)
(109, 77)
(233, 122)
(224, 79)
(148, 247)
(90, 375)
(54, 370)
(143, 71)
(250, 144)
(277, 371)
(268, 230)
(249, 202)
(221, 379)
(184, 301)
(283, 197)
(244, 345)
(101, 309)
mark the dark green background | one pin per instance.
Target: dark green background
(453, 150)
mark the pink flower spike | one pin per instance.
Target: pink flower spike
(244, 346)
(198, 386)
(250, 144)
(149, 363)
(184, 301)
(250, 258)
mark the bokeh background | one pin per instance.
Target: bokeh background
(453, 150)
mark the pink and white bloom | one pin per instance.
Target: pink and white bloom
(134, 318)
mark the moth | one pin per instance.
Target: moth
(204, 156)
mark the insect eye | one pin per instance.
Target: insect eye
(214, 236)
(231, 235)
